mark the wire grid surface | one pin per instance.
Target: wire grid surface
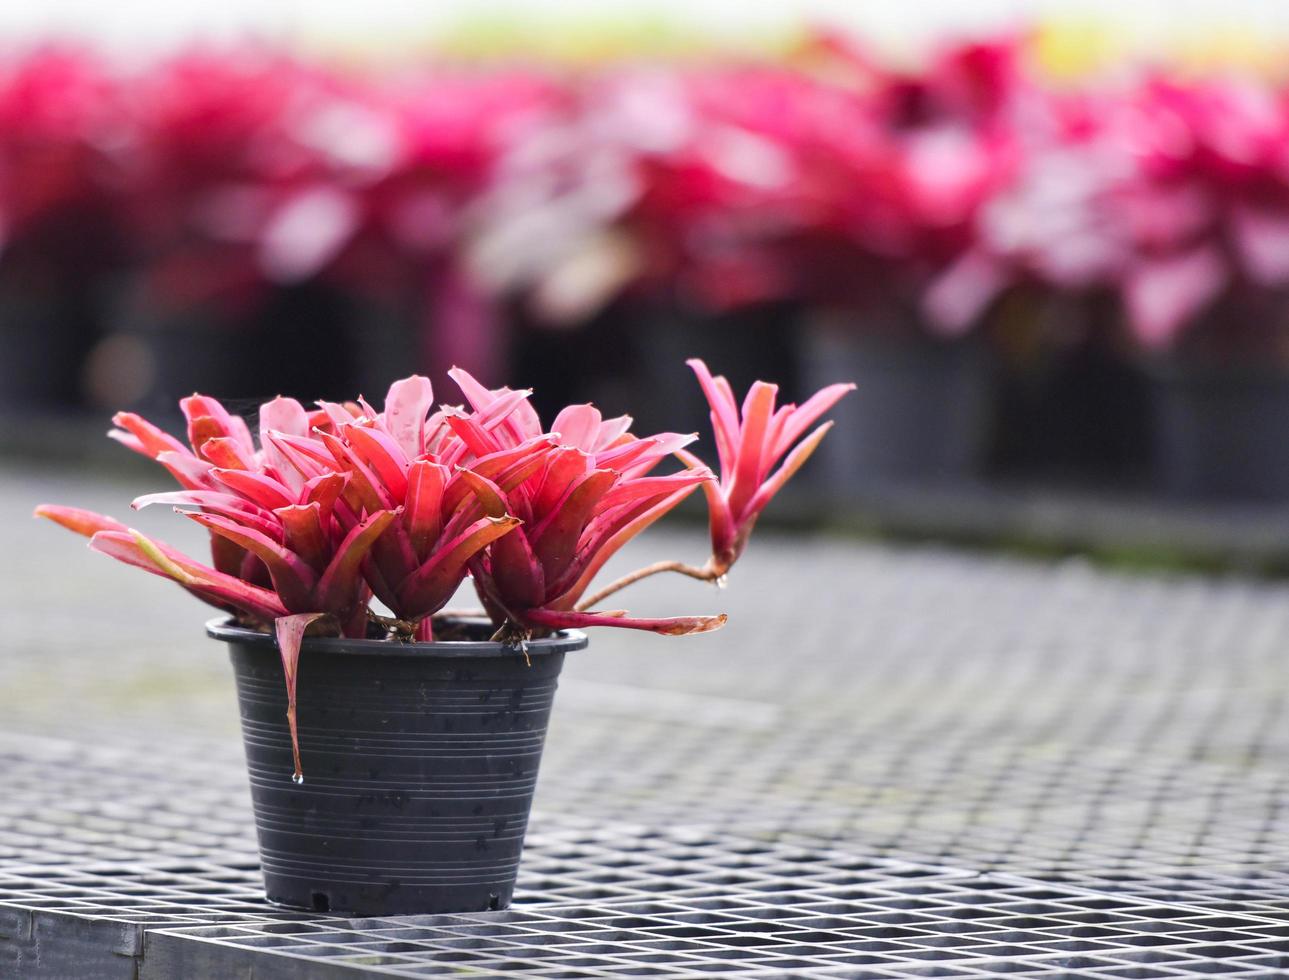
(939, 764)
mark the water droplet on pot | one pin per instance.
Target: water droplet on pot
(297, 778)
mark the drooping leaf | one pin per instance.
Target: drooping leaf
(290, 636)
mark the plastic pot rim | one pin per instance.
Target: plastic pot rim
(564, 641)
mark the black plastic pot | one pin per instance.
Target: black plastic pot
(419, 763)
(1220, 430)
(920, 412)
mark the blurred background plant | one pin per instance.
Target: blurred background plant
(1049, 250)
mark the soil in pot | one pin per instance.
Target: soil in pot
(420, 762)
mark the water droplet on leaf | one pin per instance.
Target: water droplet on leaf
(297, 778)
(722, 581)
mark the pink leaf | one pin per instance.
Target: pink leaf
(758, 408)
(340, 583)
(602, 543)
(220, 590)
(799, 420)
(256, 487)
(407, 405)
(578, 425)
(522, 423)
(215, 502)
(672, 626)
(75, 519)
(517, 573)
(430, 586)
(143, 437)
(1165, 295)
(794, 462)
(724, 410)
(304, 534)
(292, 577)
(555, 540)
(189, 472)
(227, 454)
(290, 636)
(384, 457)
(421, 509)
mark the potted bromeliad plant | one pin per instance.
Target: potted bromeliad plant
(337, 540)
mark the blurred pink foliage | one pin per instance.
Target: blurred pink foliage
(829, 179)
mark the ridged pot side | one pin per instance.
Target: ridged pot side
(419, 761)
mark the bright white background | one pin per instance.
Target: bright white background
(136, 25)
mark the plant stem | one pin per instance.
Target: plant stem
(705, 574)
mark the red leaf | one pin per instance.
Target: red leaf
(671, 626)
(340, 583)
(292, 577)
(304, 533)
(430, 586)
(406, 406)
(290, 635)
(750, 460)
(84, 522)
(422, 514)
(555, 540)
(386, 462)
(143, 437)
(220, 590)
(256, 487)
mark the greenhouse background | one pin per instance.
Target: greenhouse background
(1048, 240)
(998, 685)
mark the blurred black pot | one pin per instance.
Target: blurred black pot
(920, 412)
(45, 338)
(631, 359)
(1220, 429)
(419, 763)
(294, 340)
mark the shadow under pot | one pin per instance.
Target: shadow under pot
(920, 411)
(419, 761)
(1219, 430)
